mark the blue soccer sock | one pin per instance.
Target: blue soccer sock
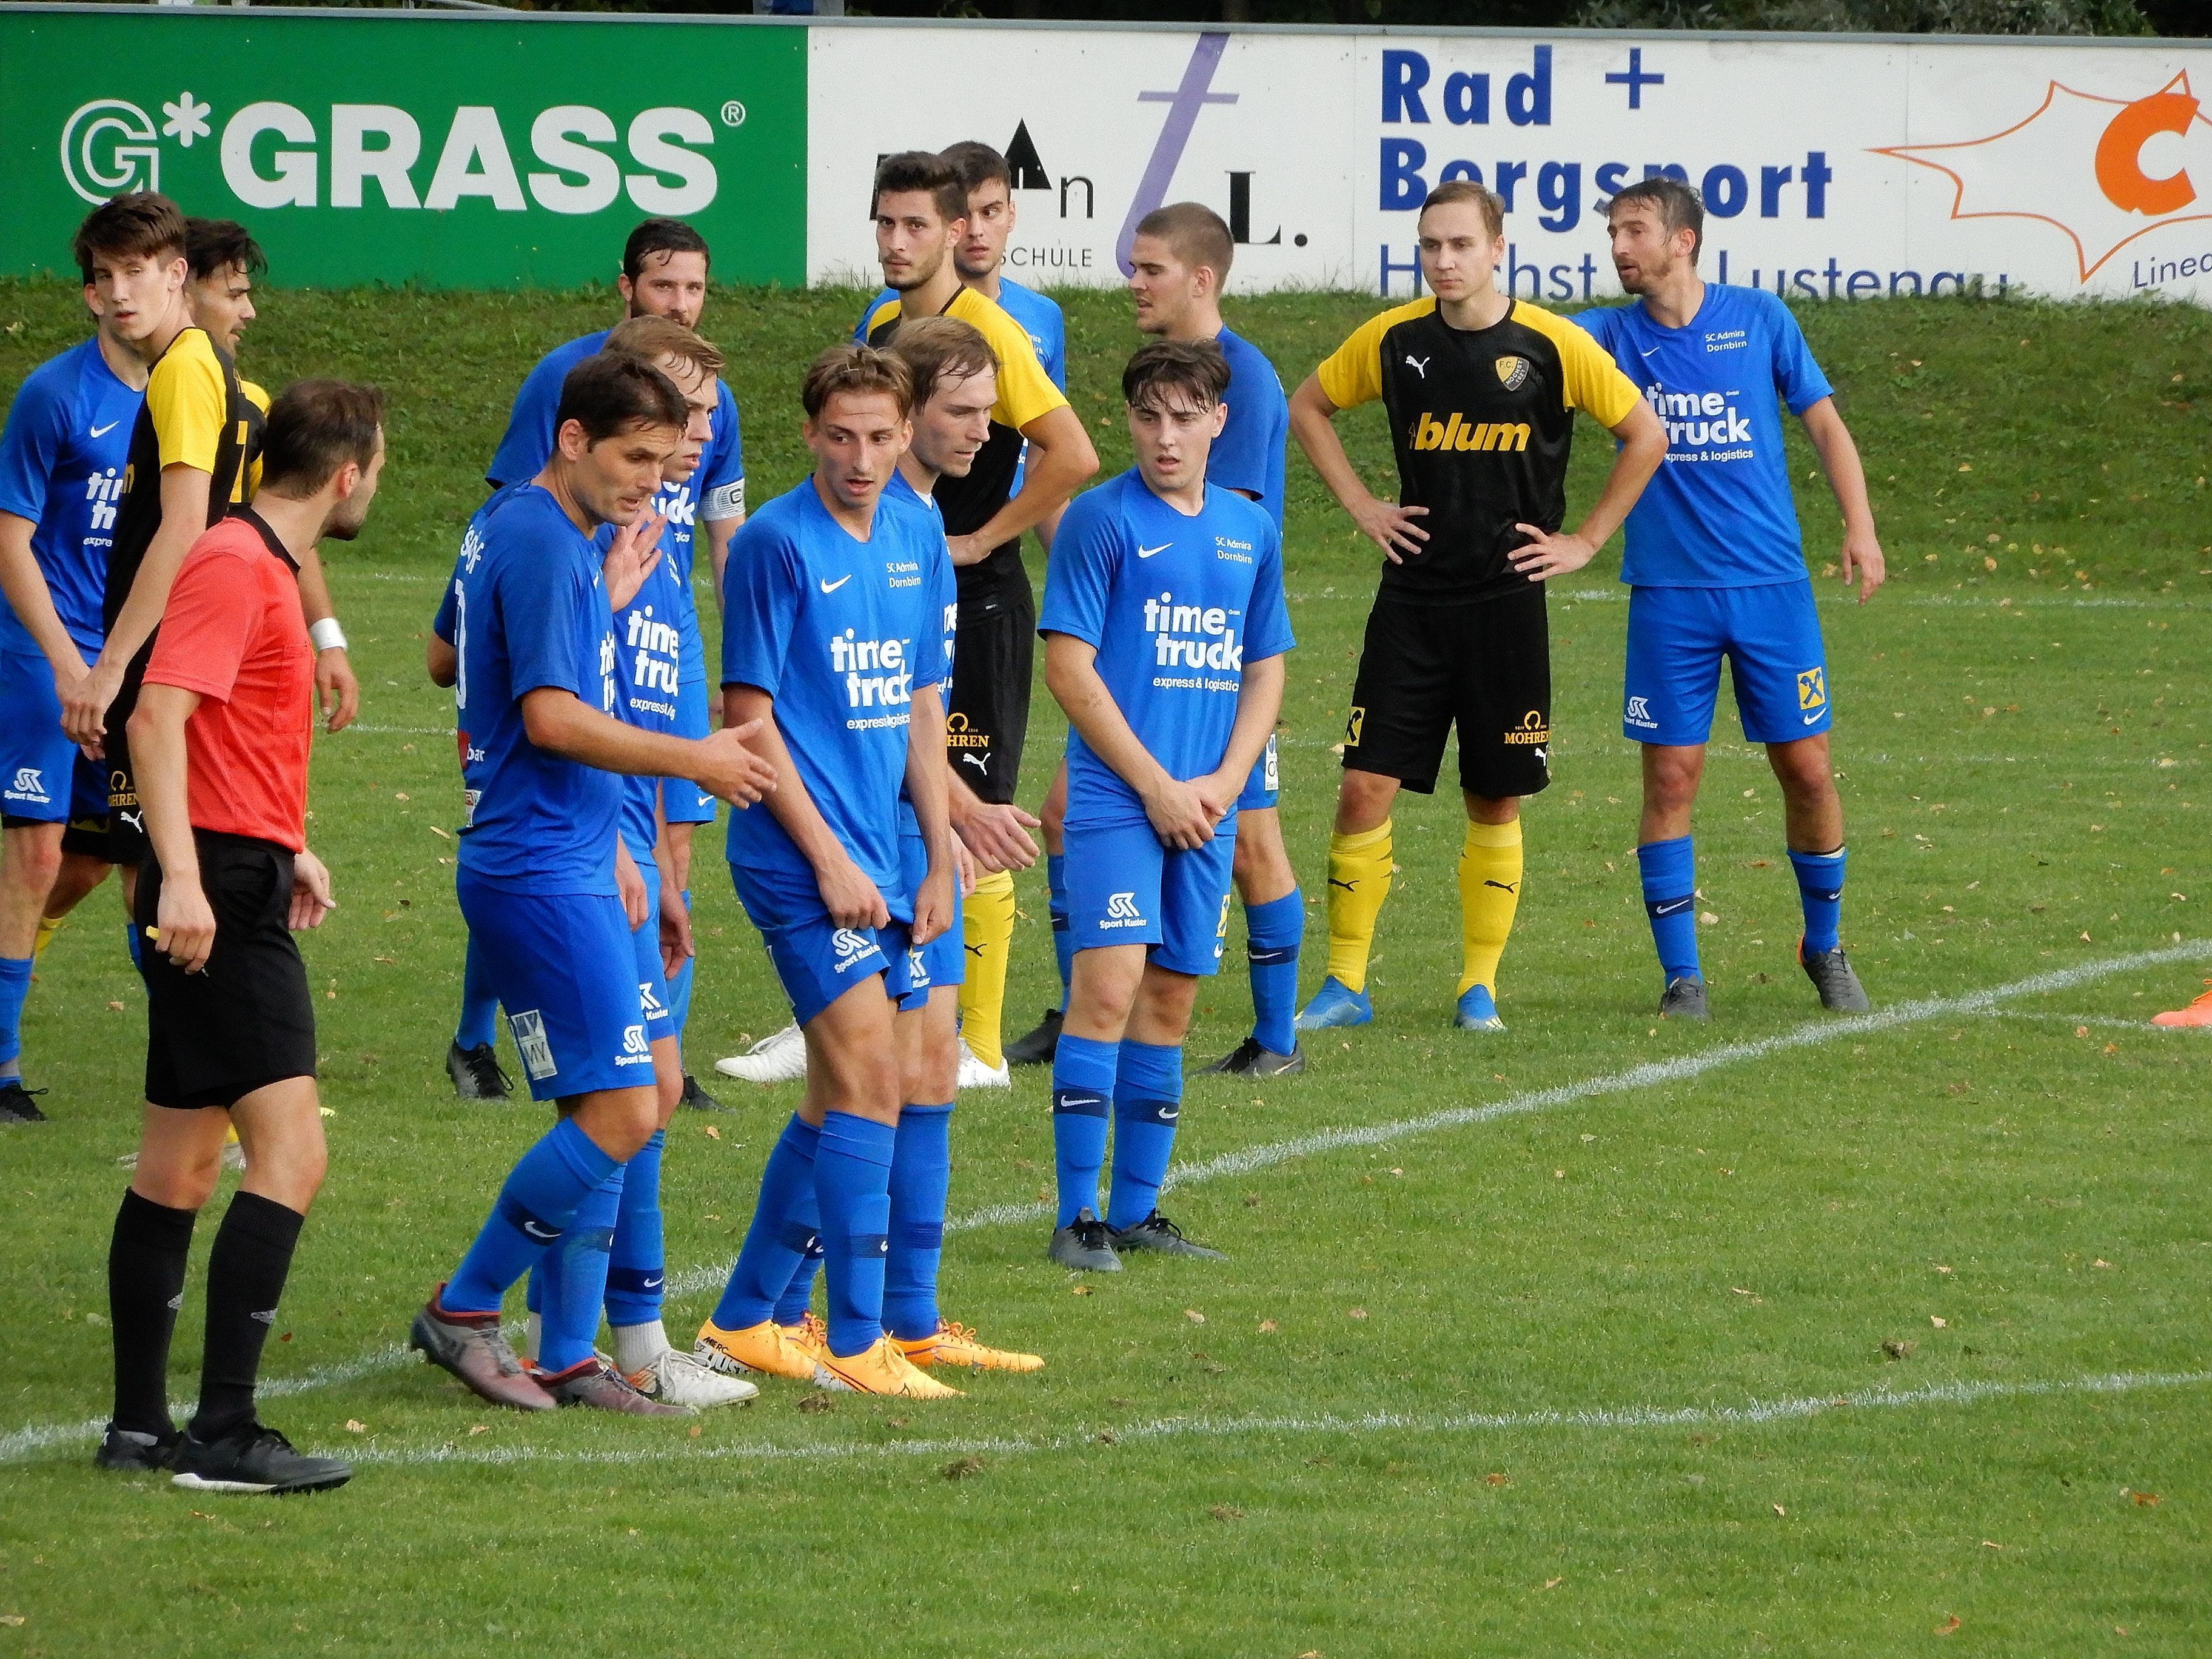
(1272, 934)
(479, 1003)
(921, 1177)
(535, 1207)
(1147, 1102)
(637, 1268)
(799, 1296)
(1670, 901)
(1063, 937)
(1821, 892)
(1082, 1094)
(679, 986)
(15, 987)
(777, 1239)
(851, 1183)
(572, 1278)
(133, 944)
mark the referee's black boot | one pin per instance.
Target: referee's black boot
(16, 1105)
(254, 1459)
(1038, 1047)
(475, 1072)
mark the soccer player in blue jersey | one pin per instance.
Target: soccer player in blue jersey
(833, 649)
(1164, 630)
(1716, 569)
(541, 745)
(664, 274)
(1179, 260)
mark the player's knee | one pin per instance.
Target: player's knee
(1803, 772)
(185, 1183)
(1670, 780)
(1363, 801)
(33, 858)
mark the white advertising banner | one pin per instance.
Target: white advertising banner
(1834, 170)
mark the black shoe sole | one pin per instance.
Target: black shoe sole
(185, 1481)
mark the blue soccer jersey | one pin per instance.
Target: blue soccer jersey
(1719, 512)
(900, 495)
(1175, 607)
(1250, 455)
(648, 661)
(61, 466)
(839, 633)
(529, 611)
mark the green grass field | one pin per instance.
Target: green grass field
(1566, 1341)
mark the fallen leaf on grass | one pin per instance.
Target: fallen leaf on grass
(711, 1133)
(115, 1007)
(1078, 1289)
(2146, 1500)
(1495, 1479)
(1226, 1512)
(1106, 1437)
(1948, 1626)
(1193, 1315)
(1554, 1584)
(1355, 1313)
(1989, 1544)
(1939, 1321)
(1778, 1510)
(814, 1402)
(1268, 1327)
(355, 1426)
(479, 1428)
(2100, 1262)
(961, 1468)
(1899, 1350)
(11, 1620)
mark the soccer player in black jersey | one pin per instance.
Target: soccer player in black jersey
(1481, 391)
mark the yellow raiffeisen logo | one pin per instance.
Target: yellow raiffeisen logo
(1812, 689)
(1533, 730)
(1460, 433)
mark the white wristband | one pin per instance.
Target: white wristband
(327, 635)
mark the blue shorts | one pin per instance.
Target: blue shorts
(39, 765)
(1265, 783)
(943, 960)
(818, 961)
(681, 799)
(563, 966)
(1771, 635)
(644, 938)
(1124, 888)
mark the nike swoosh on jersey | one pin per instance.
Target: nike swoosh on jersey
(1147, 552)
(102, 431)
(831, 587)
(1647, 354)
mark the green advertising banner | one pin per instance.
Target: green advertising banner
(448, 150)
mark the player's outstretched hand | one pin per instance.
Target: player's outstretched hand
(311, 892)
(337, 688)
(1548, 553)
(185, 925)
(1391, 528)
(999, 836)
(932, 905)
(84, 707)
(631, 559)
(1179, 816)
(849, 897)
(1861, 561)
(728, 770)
(675, 930)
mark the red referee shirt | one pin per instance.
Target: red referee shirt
(234, 632)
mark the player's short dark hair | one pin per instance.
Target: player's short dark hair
(212, 245)
(1195, 234)
(1467, 190)
(1679, 206)
(143, 223)
(857, 371)
(977, 164)
(663, 237)
(315, 427)
(652, 338)
(921, 170)
(613, 392)
(1195, 367)
(939, 348)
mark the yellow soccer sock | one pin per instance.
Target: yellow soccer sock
(1489, 893)
(1358, 882)
(988, 923)
(48, 927)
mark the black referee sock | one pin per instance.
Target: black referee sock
(246, 1270)
(145, 1286)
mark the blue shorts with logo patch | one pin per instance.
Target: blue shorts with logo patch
(1124, 888)
(1265, 784)
(817, 960)
(645, 941)
(943, 960)
(564, 967)
(37, 762)
(1771, 635)
(683, 800)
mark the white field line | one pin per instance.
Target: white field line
(20, 1443)
(2055, 601)
(1601, 1420)
(2142, 1027)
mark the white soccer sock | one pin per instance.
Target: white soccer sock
(637, 1346)
(532, 1328)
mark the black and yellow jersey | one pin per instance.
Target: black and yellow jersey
(1025, 392)
(198, 413)
(1481, 420)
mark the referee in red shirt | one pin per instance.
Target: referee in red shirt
(220, 736)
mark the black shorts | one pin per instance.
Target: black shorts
(988, 713)
(1485, 667)
(246, 1020)
(126, 841)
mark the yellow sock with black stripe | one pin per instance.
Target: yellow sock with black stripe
(1489, 893)
(1358, 882)
(987, 925)
(48, 927)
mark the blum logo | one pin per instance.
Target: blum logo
(1458, 433)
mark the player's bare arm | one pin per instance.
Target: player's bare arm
(926, 777)
(441, 662)
(1179, 815)
(336, 689)
(1389, 526)
(629, 886)
(558, 722)
(184, 516)
(1860, 559)
(676, 947)
(1061, 459)
(1643, 447)
(24, 585)
(185, 919)
(851, 898)
(1259, 700)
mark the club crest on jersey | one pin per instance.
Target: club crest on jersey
(1512, 373)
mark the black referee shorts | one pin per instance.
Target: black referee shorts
(988, 715)
(1485, 667)
(246, 1020)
